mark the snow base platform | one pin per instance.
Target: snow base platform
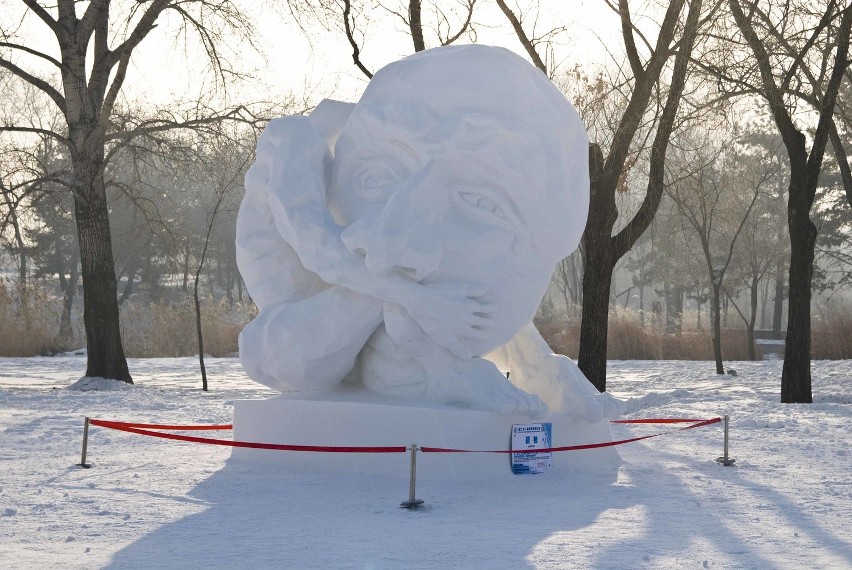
(356, 418)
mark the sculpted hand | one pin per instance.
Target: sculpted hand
(455, 315)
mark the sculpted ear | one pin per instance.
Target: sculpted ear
(329, 117)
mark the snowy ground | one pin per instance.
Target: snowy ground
(151, 503)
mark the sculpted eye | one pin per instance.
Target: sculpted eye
(378, 178)
(482, 202)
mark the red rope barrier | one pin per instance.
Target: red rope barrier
(699, 423)
(111, 423)
(145, 429)
(250, 444)
(659, 421)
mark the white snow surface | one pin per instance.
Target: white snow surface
(153, 503)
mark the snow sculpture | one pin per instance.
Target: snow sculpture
(404, 243)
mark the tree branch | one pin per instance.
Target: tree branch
(415, 25)
(45, 17)
(771, 91)
(629, 41)
(826, 110)
(52, 134)
(94, 13)
(356, 51)
(643, 86)
(625, 239)
(523, 37)
(31, 51)
(842, 161)
(36, 82)
(452, 39)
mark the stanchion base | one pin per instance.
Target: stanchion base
(411, 504)
(726, 462)
(83, 465)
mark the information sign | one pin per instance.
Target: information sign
(529, 438)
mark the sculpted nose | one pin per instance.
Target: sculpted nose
(395, 239)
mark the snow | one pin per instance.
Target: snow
(151, 503)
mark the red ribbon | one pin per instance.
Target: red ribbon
(250, 444)
(145, 429)
(660, 421)
(699, 423)
(113, 423)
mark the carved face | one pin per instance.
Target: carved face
(456, 183)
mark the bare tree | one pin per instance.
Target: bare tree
(224, 167)
(568, 279)
(815, 35)
(716, 200)
(602, 249)
(448, 22)
(95, 42)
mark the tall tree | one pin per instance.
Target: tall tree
(84, 82)
(780, 67)
(602, 249)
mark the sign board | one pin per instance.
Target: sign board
(529, 438)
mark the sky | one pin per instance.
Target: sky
(319, 62)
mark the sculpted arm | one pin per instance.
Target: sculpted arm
(294, 162)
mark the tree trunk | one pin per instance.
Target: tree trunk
(698, 307)
(778, 306)
(597, 274)
(677, 308)
(667, 296)
(755, 284)
(19, 238)
(22, 252)
(185, 269)
(796, 374)
(415, 25)
(716, 323)
(66, 333)
(197, 303)
(597, 283)
(100, 307)
(128, 288)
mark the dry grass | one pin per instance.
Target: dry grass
(29, 320)
(30, 316)
(831, 336)
(168, 329)
(628, 339)
(29, 323)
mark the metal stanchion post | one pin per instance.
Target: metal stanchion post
(412, 503)
(725, 460)
(85, 444)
